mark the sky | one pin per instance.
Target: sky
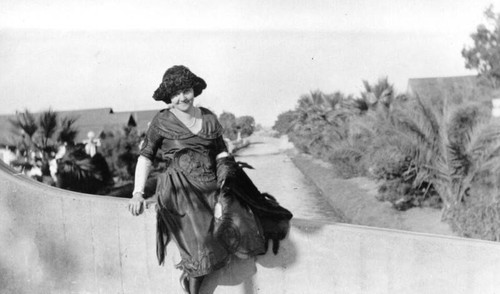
(257, 57)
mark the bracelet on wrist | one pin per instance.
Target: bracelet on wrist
(140, 192)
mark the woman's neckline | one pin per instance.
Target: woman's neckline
(184, 125)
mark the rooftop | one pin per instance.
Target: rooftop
(96, 120)
(457, 89)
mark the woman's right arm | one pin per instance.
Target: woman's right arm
(136, 204)
(149, 147)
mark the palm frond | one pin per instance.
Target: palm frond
(48, 123)
(464, 122)
(412, 127)
(334, 100)
(482, 139)
(430, 124)
(68, 130)
(26, 122)
(361, 105)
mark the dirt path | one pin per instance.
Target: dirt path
(308, 188)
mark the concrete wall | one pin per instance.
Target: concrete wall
(54, 241)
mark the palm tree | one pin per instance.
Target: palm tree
(25, 126)
(47, 122)
(404, 151)
(382, 93)
(285, 122)
(315, 99)
(26, 122)
(474, 146)
(320, 121)
(68, 131)
(447, 150)
(311, 119)
(38, 135)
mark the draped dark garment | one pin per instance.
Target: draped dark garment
(191, 188)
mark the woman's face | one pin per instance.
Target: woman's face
(183, 101)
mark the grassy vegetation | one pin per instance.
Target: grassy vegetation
(442, 155)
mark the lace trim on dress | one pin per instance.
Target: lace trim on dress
(195, 165)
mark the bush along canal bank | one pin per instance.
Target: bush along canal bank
(356, 199)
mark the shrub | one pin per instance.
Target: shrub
(420, 156)
(475, 210)
(285, 122)
(317, 123)
(245, 125)
(232, 125)
(348, 162)
(79, 172)
(121, 149)
(228, 122)
(478, 215)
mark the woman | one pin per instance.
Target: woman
(205, 202)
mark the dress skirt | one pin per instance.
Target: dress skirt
(207, 225)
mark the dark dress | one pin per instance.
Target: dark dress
(191, 188)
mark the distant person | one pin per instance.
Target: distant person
(91, 144)
(8, 155)
(206, 203)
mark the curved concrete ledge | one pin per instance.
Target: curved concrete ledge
(55, 241)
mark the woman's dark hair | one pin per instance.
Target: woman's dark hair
(176, 79)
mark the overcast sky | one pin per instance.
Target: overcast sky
(333, 15)
(257, 57)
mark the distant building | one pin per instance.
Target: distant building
(7, 137)
(450, 89)
(143, 118)
(496, 107)
(95, 120)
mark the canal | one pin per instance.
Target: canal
(276, 174)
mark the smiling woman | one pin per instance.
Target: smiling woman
(205, 202)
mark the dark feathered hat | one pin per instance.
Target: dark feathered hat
(178, 78)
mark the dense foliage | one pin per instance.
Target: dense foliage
(228, 122)
(39, 137)
(121, 149)
(246, 125)
(111, 170)
(421, 154)
(78, 171)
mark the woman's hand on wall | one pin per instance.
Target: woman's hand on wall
(137, 204)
